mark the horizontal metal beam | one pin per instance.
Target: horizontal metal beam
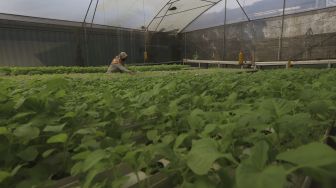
(272, 63)
(314, 62)
(268, 63)
(186, 61)
(187, 10)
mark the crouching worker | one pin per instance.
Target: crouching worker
(117, 65)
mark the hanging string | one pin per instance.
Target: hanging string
(86, 45)
(106, 34)
(145, 31)
(104, 13)
(185, 45)
(224, 30)
(119, 27)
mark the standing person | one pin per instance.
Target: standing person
(241, 57)
(117, 65)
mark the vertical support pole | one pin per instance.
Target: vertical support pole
(185, 45)
(329, 65)
(145, 46)
(224, 32)
(199, 65)
(282, 29)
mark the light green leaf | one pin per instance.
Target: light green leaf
(61, 93)
(58, 128)
(312, 155)
(3, 131)
(120, 181)
(249, 176)
(277, 107)
(19, 103)
(209, 129)
(150, 111)
(202, 156)
(4, 175)
(76, 168)
(168, 139)
(56, 83)
(85, 131)
(29, 154)
(180, 139)
(91, 175)
(254, 173)
(259, 155)
(47, 153)
(59, 138)
(295, 124)
(152, 135)
(93, 158)
(80, 156)
(195, 120)
(16, 169)
(318, 107)
(27, 132)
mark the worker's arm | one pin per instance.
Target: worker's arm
(124, 69)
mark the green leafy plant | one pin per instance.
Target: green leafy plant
(72, 70)
(213, 128)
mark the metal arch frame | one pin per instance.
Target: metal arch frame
(171, 2)
(242, 8)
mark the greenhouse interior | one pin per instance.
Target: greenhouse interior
(167, 93)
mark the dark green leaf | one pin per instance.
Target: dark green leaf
(29, 154)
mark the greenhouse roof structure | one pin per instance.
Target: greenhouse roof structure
(158, 15)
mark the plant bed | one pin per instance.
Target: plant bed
(216, 128)
(72, 70)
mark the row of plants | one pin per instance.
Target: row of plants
(255, 130)
(69, 70)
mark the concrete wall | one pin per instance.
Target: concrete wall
(309, 35)
(24, 43)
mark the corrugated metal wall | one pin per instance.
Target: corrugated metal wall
(29, 44)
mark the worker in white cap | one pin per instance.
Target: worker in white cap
(117, 65)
